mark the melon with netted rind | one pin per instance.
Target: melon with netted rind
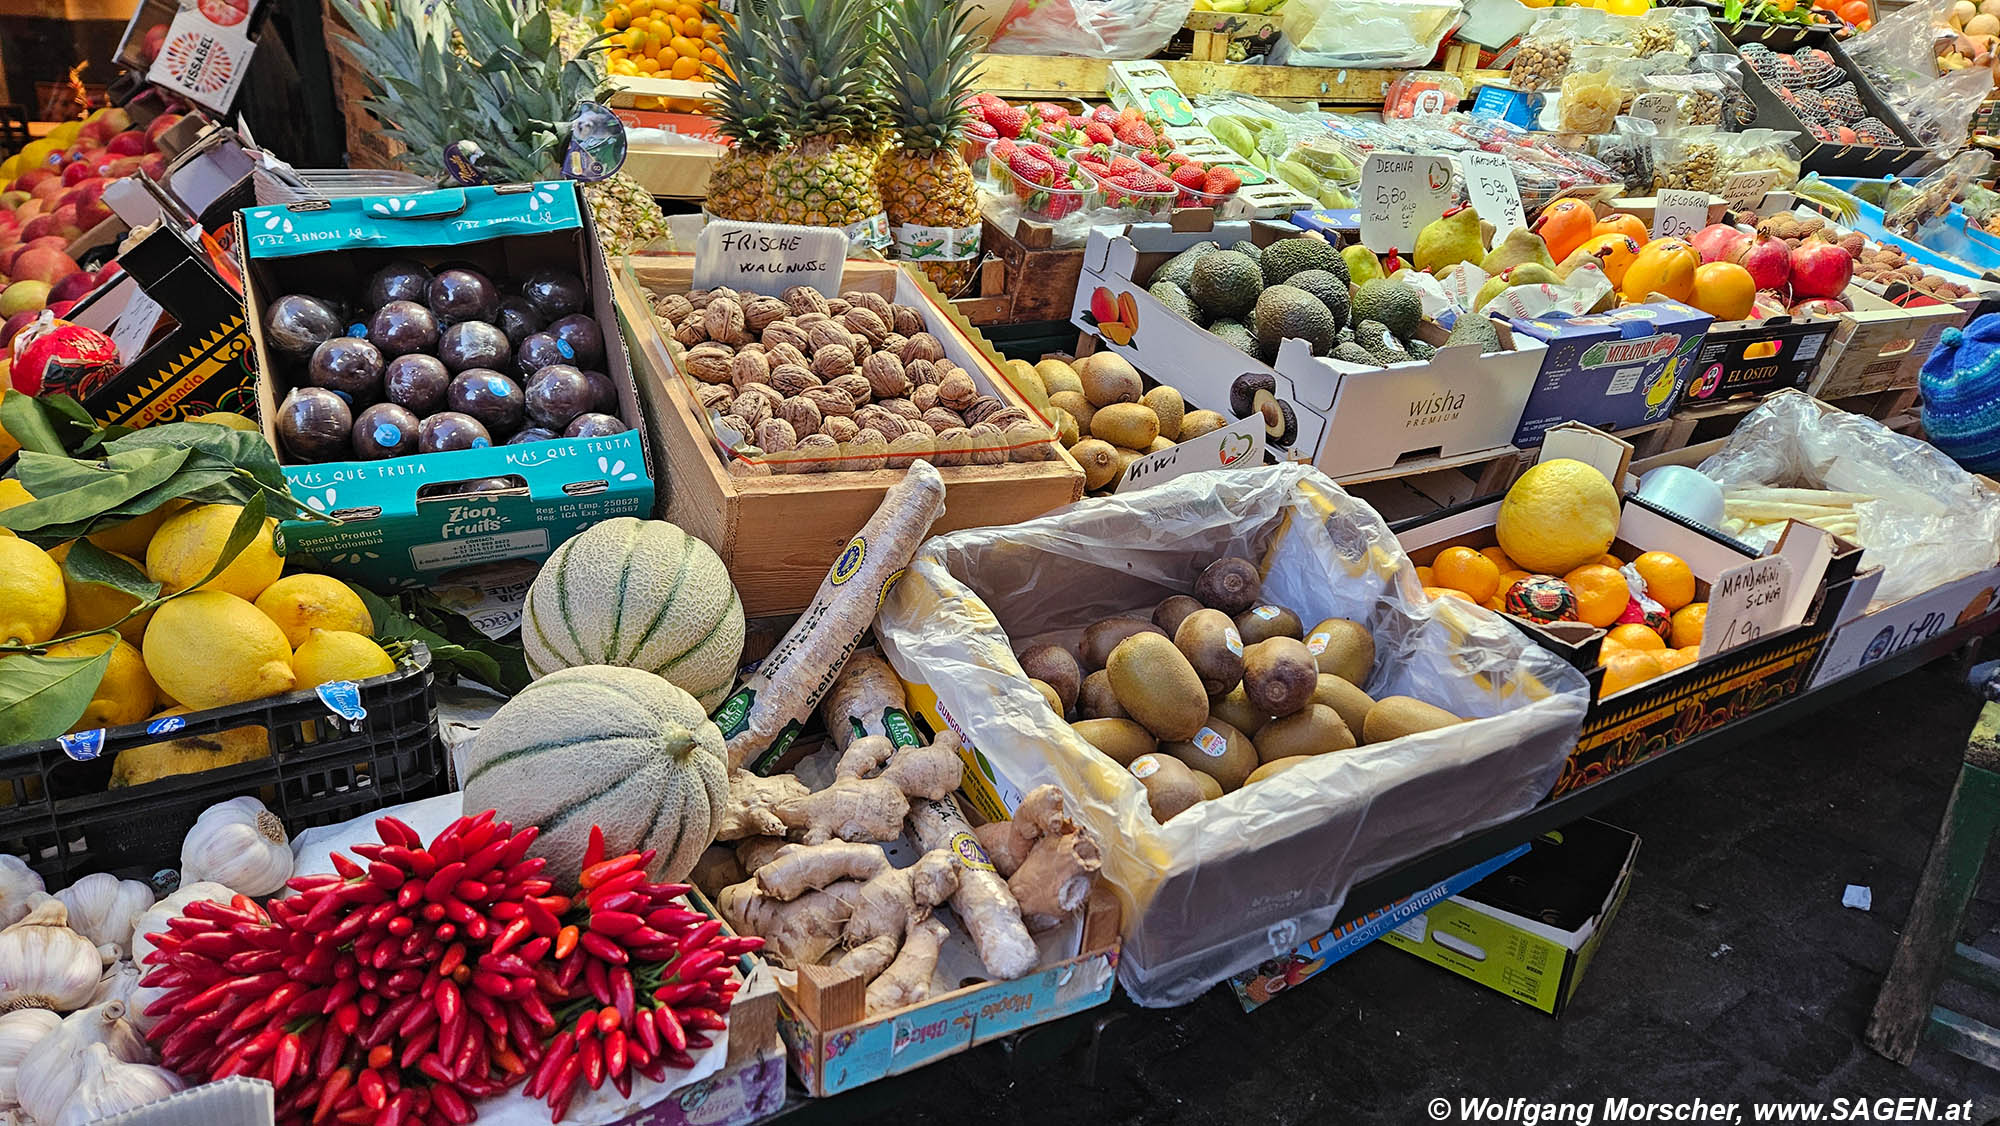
(642, 594)
(618, 748)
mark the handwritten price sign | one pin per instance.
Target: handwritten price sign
(1400, 195)
(1490, 188)
(1678, 214)
(1239, 443)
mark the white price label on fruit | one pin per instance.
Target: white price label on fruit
(1400, 195)
(1745, 603)
(1490, 187)
(1239, 443)
(769, 258)
(1678, 214)
(1745, 191)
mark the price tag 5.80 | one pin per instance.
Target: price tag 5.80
(1400, 195)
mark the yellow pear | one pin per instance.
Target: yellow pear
(1521, 247)
(1450, 240)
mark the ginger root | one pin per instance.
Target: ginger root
(869, 959)
(859, 808)
(908, 978)
(892, 900)
(716, 869)
(755, 852)
(1049, 861)
(1041, 813)
(797, 933)
(799, 870)
(751, 798)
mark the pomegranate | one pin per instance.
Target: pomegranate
(1820, 269)
(1769, 303)
(1768, 260)
(1822, 307)
(1717, 242)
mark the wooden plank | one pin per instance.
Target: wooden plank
(1037, 76)
(1966, 1036)
(831, 998)
(1975, 966)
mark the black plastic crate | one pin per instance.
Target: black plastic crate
(57, 814)
(1828, 158)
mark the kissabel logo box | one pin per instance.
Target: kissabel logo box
(407, 521)
(1612, 370)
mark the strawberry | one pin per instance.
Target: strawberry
(1147, 180)
(1123, 163)
(1136, 133)
(1190, 176)
(1098, 132)
(1104, 115)
(1031, 169)
(984, 99)
(1008, 120)
(1051, 113)
(1222, 181)
(1149, 158)
(1004, 149)
(1039, 151)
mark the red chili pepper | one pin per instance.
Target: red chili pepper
(305, 885)
(454, 956)
(448, 1103)
(395, 832)
(336, 1084)
(672, 1035)
(615, 884)
(285, 1059)
(332, 1045)
(446, 878)
(512, 935)
(677, 992)
(543, 920)
(380, 1055)
(602, 948)
(374, 1094)
(414, 1047)
(591, 1052)
(598, 873)
(697, 965)
(536, 1013)
(535, 949)
(672, 918)
(705, 1019)
(492, 984)
(347, 869)
(622, 999)
(593, 848)
(386, 876)
(565, 942)
(559, 1052)
(392, 1115)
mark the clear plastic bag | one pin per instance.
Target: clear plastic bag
(1739, 110)
(1934, 195)
(1235, 880)
(1365, 33)
(1543, 56)
(1697, 98)
(1628, 151)
(1686, 160)
(1601, 82)
(1931, 521)
(1756, 151)
(1094, 29)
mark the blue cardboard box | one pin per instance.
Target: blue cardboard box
(1612, 370)
(408, 521)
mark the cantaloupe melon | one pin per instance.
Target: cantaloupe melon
(601, 745)
(642, 594)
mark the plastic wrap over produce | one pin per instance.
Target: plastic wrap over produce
(1231, 882)
(1930, 521)
(1366, 33)
(1094, 29)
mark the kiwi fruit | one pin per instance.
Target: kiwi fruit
(1345, 649)
(1158, 686)
(1167, 406)
(1230, 585)
(1217, 749)
(1210, 788)
(1107, 379)
(1208, 639)
(1095, 700)
(1131, 425)
(1067, 431)
(1122, 459)
(1343, 697)
(1170, 786)
(1275, 766)
(1172, 611)
(1056, 667)
(1103, 635)
(1058, 376)
(1076, 406)
(1279, 675)
(1099, 460)
(1029, 383)
(1049, 693)
(1393, 717)
(1196, 423)
(1235, 709)
(1160, 444)
(1121, 739)
(1312, 730)
(1262, 623)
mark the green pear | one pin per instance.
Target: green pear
(1454, 238)
(1494, 287)
(1362, 265)
(1531, 273)
(1521, 247)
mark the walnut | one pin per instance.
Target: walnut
(801, 412)
(830, 360)
(892, 342)
(805, 299)
(753, 408)
(989, 444)
(907, 320)
(807, 320)
(724, 320)
(672, 308)
(737, 423)
(923, 373)
(954, 446)
(785, 332)
(749, 367)
(700, 298)
(856, 386)
(868, 449)
(925, 398)
(825, 334)
(839, 428)
(942, 419)
(829, 400)
(837, 306)
(756, 346)
(874, 417)
(921, 346)
(906, 448)
(739, 467)
(790, 379)
(864, 323)
(885, 376)
(815, 453)
(919, 426)
(1008, 416)
(775, 435)
(1029, 441)
(958, 391)
(760, 312)
(714, 397)
(690, 331)
(903, 407)
(983, 409)
(873, 302)
(788, 354)
(771, 395)
(709, 366)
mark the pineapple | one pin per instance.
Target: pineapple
(822, 56)
(741, 106)
(925, 180)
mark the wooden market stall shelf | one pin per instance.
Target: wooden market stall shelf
(666, 171)
(1039, 76)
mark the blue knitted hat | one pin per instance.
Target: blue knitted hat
(1961, 389)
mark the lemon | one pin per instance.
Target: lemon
(31, 592)
(302, 603)
(230, 419)
(136, 766)
(93, 606)
(125, 695)
(12, 495)
(211, 648)
(190, 542)
(131, 537)
(338, 654)
(1560, 515)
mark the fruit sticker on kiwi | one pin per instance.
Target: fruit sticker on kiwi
(1210, 742)
(1233, 641)
(1146, 765)
(1316, 644)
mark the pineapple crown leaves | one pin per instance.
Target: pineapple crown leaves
(824, 54)
(928, 68)
(741, 102)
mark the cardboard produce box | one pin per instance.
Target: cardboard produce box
(1880, 346)
(1756, 357)
(1531, 931)
(407, 520)
(1613, 370)
(1346, 419)
(1862, 638)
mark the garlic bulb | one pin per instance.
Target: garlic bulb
(120, 981)
(241, 844)
(155, 921)
(20, 1031)
(51, 1069)
(17, 883)
(102, 908)
(107, 1085)
(43, 963)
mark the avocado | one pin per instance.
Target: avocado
(1181, 266)
(1238, 336)
(1256, 393)
(1225, 283)
(1419, 349)
(1285, 311)
(1375, 339)
(1475, 328)
(1288, 256)
(1354, 354)
(1330, 286)
(1248, 249)
(1176, 300)
(1395, 305)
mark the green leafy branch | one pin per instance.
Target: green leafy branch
(453, 642)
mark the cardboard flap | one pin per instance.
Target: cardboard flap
(429, 205)
(469, 215)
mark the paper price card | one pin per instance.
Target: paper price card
(1490, 186)
(1678, 214)
(1745, 191)
(1400, 195)
(1745, 603)
(769, 258)
(1239, 443)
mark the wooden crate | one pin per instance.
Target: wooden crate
(671, 172)
(779, 535)
(1037, 76)
(1026, 277)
